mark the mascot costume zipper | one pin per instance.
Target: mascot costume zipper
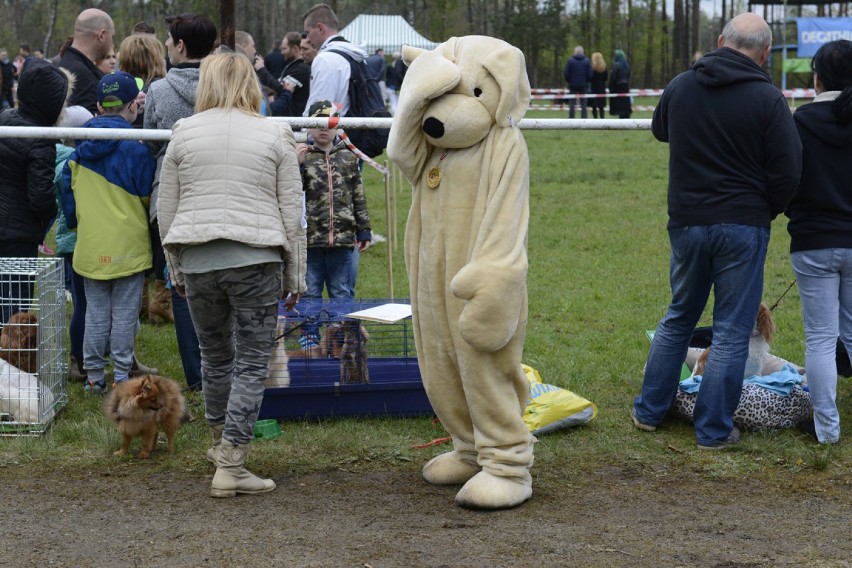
(455, 138)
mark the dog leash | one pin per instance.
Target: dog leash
(778, 301)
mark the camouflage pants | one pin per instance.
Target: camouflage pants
(235, 313)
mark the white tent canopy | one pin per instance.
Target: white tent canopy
(386, 32)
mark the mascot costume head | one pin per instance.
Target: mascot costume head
(455, 138)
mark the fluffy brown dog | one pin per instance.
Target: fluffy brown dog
(139, 405)
(19, 342)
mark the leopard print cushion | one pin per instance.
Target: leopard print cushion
(759, 408)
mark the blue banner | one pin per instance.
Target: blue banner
(813, 32)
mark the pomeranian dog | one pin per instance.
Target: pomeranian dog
(759, 361)
(19, 342)
(139, 406)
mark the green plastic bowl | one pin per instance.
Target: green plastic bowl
(267, 429)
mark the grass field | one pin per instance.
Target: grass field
(598, 279)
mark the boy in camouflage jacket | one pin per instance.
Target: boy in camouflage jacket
(336, 209)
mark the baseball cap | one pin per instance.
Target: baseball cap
(322, 108)
(118, 88)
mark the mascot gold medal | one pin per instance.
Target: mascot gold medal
(433, 178)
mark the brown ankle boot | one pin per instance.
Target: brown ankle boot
(160, 307)
(138, 369)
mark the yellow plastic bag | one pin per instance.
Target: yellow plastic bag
(550, 408)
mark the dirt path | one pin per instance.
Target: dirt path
(389, 519)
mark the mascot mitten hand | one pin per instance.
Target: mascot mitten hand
(494, 296)
(443, 75)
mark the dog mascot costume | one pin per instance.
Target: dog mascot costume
(454, 137)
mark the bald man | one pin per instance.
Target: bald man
(93, 40)
(734, 163)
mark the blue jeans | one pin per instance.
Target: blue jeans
(584, 113)
(729, 258)
(187, 341)
(112, 315)
(330, 268)
(824, 277)
(77, 327)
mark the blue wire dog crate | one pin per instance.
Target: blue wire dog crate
(326, 364)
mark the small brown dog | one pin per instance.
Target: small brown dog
(19, 342)
(138, 406)
(759, 360)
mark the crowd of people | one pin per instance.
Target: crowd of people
(126, 211)
(297, 218)
(588, 80)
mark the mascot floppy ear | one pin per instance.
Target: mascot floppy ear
(507, 66)
(410, 53)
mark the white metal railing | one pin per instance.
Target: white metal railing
(300, 122)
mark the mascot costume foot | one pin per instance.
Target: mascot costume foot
(455, 138)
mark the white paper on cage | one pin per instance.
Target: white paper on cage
(386, 313)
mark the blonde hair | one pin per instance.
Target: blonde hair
(227, 80)
(598, 63)
(142, 56)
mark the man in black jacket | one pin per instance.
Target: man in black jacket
(298, 70)
(93, 40)
(7, 80)
(27, 202)
(734, 164)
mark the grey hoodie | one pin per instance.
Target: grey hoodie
(167, 101)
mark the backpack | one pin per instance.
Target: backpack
(365, 100)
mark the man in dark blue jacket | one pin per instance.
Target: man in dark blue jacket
(578, 73)
(734, 164)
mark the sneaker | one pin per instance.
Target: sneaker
(645, 427)
(732, 439)
(95, 388)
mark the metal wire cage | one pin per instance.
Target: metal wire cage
(324, 345)
(32, 344)
(327, 364)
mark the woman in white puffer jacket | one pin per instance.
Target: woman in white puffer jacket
(230, 211)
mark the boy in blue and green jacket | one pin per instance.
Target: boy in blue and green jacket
(106, 186)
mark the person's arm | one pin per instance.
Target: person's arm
(69, 205)
(265, 77)
(659, 121)
(41, 164)
(434, 75)
(290, 205)
(363, 232)
(167, 203)
(784, 159)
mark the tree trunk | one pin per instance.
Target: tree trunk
(596, 29)
(696, 19)
(651, 41)
(52, 23)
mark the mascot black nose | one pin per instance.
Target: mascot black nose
(433, 127)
